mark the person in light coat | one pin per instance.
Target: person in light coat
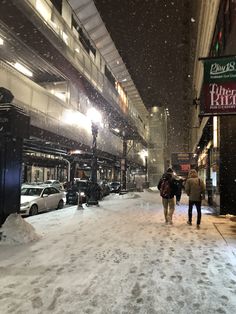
(195, 189)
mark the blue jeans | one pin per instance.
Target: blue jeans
(190, 210)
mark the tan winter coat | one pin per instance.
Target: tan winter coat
(194, 187)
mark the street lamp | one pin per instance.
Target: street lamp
(93, 192)
(144, 155)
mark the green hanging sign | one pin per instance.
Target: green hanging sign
(219, 86)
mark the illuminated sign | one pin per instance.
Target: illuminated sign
(219, 86)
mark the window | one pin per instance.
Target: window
(46, 191)
(225, 20)
(84, 40)
(74, 23)
(109, 76)
(93, 50)
(53, 191)
(58, 5)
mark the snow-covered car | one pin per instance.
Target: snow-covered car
(35, 199)
(55, 183)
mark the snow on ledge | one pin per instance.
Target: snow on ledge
(16, 230)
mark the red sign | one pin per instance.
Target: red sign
(220, 97)
(185, 167)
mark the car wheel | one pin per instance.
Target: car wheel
(33, 210)
(60, 204)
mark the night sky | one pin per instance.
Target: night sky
(156, 40)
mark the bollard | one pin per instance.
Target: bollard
(79, 205)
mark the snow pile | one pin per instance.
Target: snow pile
(129, 195)
(152, 189)
(16, 230)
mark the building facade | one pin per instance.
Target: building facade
(57, 65)
(212, 137)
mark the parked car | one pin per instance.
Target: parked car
(35, 199)
(56, 183)
(115, 187)
(105, 189)
(77, 192)
(32, 183)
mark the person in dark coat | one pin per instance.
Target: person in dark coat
(179, 186)
(167, 188)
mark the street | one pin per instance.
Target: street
(118, 258)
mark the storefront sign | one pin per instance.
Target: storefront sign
(181, 162)
(185, 167)
(219, 86)
(182, 158)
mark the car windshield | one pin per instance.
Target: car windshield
(31, 191)
(81, 185)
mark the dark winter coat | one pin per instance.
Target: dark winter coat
(173, 186)
(179, 186)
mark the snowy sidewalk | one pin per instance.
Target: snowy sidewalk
(119, 258)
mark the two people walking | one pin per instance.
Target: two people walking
(194, 188)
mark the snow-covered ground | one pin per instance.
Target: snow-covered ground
(119, 258)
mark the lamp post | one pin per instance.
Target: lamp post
(93, 192)
(94, 128)
(144, 155)
(146, 170)
(124, 167)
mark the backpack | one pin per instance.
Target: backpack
(165, 188)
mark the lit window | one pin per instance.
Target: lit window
(43, 9)
(65, 37)
(21, 68)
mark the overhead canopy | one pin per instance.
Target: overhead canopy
(91, 21)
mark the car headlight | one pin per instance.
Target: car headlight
(82, 193)
(24, 204)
